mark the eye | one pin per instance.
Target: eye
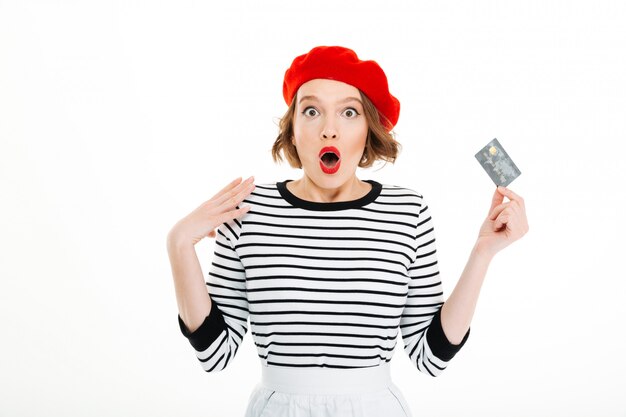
(310, 111)
(350, 113)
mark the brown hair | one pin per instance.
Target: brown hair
(379, 145)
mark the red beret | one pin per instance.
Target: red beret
(342, 64)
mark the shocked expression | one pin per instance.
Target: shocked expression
(330, 130)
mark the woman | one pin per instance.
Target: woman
(329, 267)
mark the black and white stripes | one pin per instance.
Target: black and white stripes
(326, 284)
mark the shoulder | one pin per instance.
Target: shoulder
(405, 200)
(264, 194)
(400, 194)
(264, 197)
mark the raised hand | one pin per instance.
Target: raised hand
(221, 208)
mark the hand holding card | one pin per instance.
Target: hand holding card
(506, 221)
(497, 163)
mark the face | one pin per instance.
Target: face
(330, 130)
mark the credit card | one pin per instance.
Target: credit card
(500, 167)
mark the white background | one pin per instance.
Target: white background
(117, 118)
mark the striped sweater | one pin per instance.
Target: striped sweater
(326, 284)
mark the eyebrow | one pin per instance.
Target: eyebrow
(345, 100)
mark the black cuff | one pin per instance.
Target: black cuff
(439, 343)
(210, 329)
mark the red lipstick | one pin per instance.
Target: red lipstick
(330, 159)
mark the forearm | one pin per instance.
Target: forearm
(458, 310)
(194, 304)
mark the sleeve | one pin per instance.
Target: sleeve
(217, 339)
(424, 340)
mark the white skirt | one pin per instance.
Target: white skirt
(326, 392)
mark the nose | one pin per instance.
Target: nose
(329, 131)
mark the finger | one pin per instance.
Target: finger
(496, 200)
(235, 199)
(227, 217)
(510, 194)
(495, 212)
(234, 193)
(229, 187)
(233, 214)
(501, 221)
(517, 223)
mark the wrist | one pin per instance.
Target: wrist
(175, 241)
(482, 252)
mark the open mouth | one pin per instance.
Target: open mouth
(330, 159)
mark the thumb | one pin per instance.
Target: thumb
(496, 200)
